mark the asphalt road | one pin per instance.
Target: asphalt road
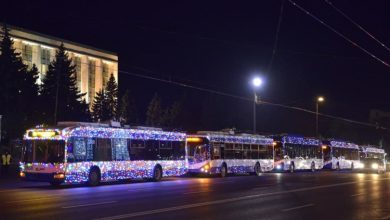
(320, 195)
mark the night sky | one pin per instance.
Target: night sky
(221, 44)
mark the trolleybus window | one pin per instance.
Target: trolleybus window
(44, 151)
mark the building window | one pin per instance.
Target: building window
(45, 61)
(77, 63)
(45, 56)
(91, 80)
(27, 55)
(106, 74)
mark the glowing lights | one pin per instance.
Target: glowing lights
(274, 143)
(194, 139)
(248, 139)
(111, 171)
(320, 99)
(375, 166)
(343, 144)
(374, 150)
(125, 133)
(59, 176)
(22, 174)
(257, 82)
(324, 147)
(41, 133)
(300, 140)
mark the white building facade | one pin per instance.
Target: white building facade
(93, 66)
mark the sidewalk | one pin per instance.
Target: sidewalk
(11, 175)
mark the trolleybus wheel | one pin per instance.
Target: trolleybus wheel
(292, 168)
(313, 167)
(157, 173)
(223, 170)
(94, 176)
(257, 169)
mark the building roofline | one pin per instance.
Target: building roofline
(60, 39)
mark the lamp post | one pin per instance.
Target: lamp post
(256, 82)
(318, 101)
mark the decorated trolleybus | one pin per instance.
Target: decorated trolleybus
(373, 159)
(224, 152)
(341, 155)
(297, 153)
(91, 153)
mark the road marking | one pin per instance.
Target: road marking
(215, 202)
(137, 190)
(88, 204)
(230, 181)
(194, 192)
(359, 194)
(264, 186)
(28, 200)
(298, 207)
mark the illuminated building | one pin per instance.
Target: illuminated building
(93, 66)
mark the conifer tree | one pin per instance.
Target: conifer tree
(100, 111)
(127, 111)
(18, 88)
(112, 97)
(154, 111)
(62, 98)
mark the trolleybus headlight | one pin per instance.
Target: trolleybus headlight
(374, 166)
(205, 168)
(59, 176)
(278, 167)
(22, 174)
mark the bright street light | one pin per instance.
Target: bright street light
(320, 99)
(257, 81)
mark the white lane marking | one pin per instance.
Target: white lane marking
(359, 194)
(230, 181)
(298, 207)
(194, 192)
(88, 204)
(264, 186)
(215, 202)
(137, 190)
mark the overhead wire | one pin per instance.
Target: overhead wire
(185, 85)
(339, 33)
(357, 25)
(276, 37)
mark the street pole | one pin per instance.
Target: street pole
(254, 113)
(316, 118)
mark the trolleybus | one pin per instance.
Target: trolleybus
(297, 153)
(223, 152)
(373, 159)
(341, 155)
(91, 153)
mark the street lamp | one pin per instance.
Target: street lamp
(256, 82)
(319, 100)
